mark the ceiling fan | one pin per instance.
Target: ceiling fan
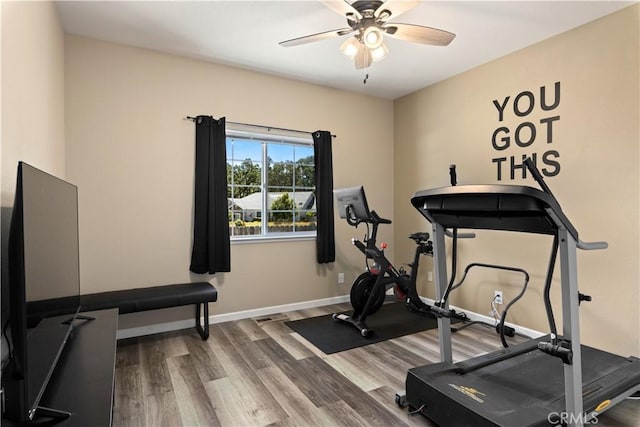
(368, 22)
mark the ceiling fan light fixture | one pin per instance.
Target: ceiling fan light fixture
(350, 47)
(368, 24)
(379, 53)
(372, 37)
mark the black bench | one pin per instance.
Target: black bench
(156, 297)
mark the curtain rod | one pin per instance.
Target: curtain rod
(261, 126)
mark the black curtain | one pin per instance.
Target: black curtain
(325, 238)
(211, 247)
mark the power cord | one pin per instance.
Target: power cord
(494, 311)
(417, 411)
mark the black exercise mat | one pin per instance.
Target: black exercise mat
(393, 320)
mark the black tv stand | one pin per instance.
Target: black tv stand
(45, 412)
(78, 317)
(82, 384)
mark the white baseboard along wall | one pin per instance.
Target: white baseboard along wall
(265, 311)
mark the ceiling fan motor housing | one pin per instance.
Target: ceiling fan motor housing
(364, 6)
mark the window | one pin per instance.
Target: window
(270, 184)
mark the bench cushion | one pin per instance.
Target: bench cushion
(151, 298)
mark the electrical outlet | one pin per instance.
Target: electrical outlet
(429, 276)
(340, 278)
(497, 297)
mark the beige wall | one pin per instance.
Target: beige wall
(132, 155)
(32, 109)
(32, 91)
(597, 138)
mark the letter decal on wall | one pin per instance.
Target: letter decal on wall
(527, 134)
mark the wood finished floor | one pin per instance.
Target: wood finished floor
(258, 372)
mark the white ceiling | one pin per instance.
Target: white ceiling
(245, 34)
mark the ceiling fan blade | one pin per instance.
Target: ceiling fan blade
(343, 7)
(363, 58)
(394, 8)
(419, 34)
(316, 37)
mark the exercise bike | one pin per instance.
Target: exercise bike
(369, 290)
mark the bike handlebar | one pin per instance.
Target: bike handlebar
(378, 219)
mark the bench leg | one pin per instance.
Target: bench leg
(202, 325)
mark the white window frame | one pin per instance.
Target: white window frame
(269, 136)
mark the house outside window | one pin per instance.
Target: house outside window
(270, 184)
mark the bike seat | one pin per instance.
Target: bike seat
(419, 237)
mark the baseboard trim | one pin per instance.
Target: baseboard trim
(229, 317)
(265, 311)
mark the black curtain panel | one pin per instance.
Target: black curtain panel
(325, 239)
(211, 247)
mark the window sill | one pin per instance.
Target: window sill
(272, 239)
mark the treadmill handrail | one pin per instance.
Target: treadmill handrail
(587, 246)
(461, 235)
(591, 246)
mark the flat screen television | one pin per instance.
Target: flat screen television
(352, 203)
(43, 288)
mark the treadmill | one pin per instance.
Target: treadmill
(552, 380)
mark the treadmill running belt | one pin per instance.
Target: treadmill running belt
(524, 390)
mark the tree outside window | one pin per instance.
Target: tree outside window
(287, 207)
